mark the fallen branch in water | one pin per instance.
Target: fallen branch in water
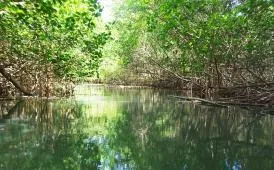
(200, 100)
(219, 103)
(241, 104)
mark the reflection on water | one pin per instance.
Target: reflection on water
(129, 128)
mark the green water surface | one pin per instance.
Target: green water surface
(105, 128)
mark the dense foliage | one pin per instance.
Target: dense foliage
(205, 45)
(43, 40)
(214, 46)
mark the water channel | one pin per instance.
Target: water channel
(105, 128)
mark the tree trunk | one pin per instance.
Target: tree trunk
(13, 81)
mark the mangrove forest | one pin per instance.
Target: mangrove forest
(136, 85)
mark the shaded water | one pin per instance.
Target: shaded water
(128, 128)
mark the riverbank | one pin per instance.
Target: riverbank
(254, 94)
(263, 100)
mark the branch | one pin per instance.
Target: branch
(13, 81)
(200, 100)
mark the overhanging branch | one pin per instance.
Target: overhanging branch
(16, 84)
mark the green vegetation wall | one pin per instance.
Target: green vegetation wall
(208, 45)
(48, 40)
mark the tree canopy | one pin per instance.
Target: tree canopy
(210, 45)
(207, 45)
(57, 39)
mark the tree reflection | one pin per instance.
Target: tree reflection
(162, 134)
(44, 135)
(124, 129)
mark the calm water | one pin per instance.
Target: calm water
(123, 129)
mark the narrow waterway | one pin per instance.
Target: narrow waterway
(105, 128)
